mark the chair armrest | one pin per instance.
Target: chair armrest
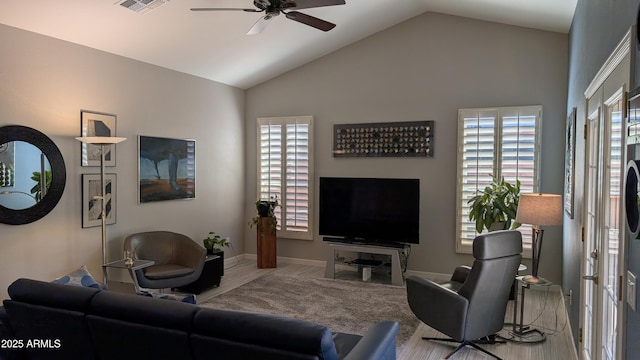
(379, 343)
(440, 308)
(461, 273)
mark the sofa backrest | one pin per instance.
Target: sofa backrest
(93, 323)
(50, 312)
(243, 335)
(125, 326)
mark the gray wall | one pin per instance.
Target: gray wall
(423, 69)
(598, 26)
(46, 82)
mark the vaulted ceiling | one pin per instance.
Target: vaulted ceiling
(215, 45)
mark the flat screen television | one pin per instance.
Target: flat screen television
(368, 210)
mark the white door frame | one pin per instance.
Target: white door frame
(620, 54)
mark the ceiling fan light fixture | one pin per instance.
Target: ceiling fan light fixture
(273, 8)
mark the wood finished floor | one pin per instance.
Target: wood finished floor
(543, 310)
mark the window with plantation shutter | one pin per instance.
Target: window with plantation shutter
(285, 172)
(500, 142)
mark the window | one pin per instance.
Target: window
(285, 170)
(501, 142)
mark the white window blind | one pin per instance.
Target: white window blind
(501, 142)
(285, 170)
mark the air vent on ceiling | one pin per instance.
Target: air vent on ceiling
(141, 6)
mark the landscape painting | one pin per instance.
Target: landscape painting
(166, 169)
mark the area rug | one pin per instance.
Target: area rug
(342, 306)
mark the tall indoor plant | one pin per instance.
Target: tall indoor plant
(495, 207)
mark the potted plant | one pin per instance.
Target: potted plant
(266, 209)
(495, 207)
(266, 222)
(214, 243)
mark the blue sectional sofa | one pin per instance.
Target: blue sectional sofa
(73, 322)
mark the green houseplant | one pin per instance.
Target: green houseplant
(495, 207)
(214, 243)
(266, 209)
(36, 190)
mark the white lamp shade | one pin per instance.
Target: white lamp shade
(540, 209)
(101, 140)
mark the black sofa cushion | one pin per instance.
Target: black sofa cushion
(59, 315)
(245, 335)
(144, 310)
(150, 329)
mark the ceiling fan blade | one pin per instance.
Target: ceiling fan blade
(310, 20)
(306, 4)
(225, 9)
(260, 25)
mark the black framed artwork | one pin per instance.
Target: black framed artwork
(570, 163)
(97, 124)
(166, 169)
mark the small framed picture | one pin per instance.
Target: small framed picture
(97, 124)
(91, 199)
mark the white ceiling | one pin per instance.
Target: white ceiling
(214, 45)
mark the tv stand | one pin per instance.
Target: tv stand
(396, 269)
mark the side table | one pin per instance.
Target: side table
(210, 276)
(522, 333)
(120, 264)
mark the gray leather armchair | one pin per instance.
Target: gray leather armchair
(472, 305)
(178, 259)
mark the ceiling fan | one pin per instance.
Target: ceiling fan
(273, 8)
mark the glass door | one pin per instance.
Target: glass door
(590, 255)
(611, 187)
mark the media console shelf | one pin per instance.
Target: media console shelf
(396, 269)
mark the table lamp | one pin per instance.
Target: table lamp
(102, 141)
(538, 210)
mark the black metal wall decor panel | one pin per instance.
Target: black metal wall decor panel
(392, 139)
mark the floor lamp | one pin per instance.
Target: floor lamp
(538, 210)
(102, 141)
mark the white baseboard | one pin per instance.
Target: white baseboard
(287, 260)
(566, 316)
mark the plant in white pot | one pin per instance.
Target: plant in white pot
(495, 207)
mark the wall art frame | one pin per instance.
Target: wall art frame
(97, 124)
(389, 139)
(570, 163)
(166, 169)
(91, 205)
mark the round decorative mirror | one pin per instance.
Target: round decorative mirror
(631, 205)
(32, 175)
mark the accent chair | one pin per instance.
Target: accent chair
(178, 259)
(472, 305)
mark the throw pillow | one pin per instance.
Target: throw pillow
(187, 298)
(79, 277)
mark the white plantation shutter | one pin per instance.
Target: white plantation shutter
(285, 171)
(502, 142)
